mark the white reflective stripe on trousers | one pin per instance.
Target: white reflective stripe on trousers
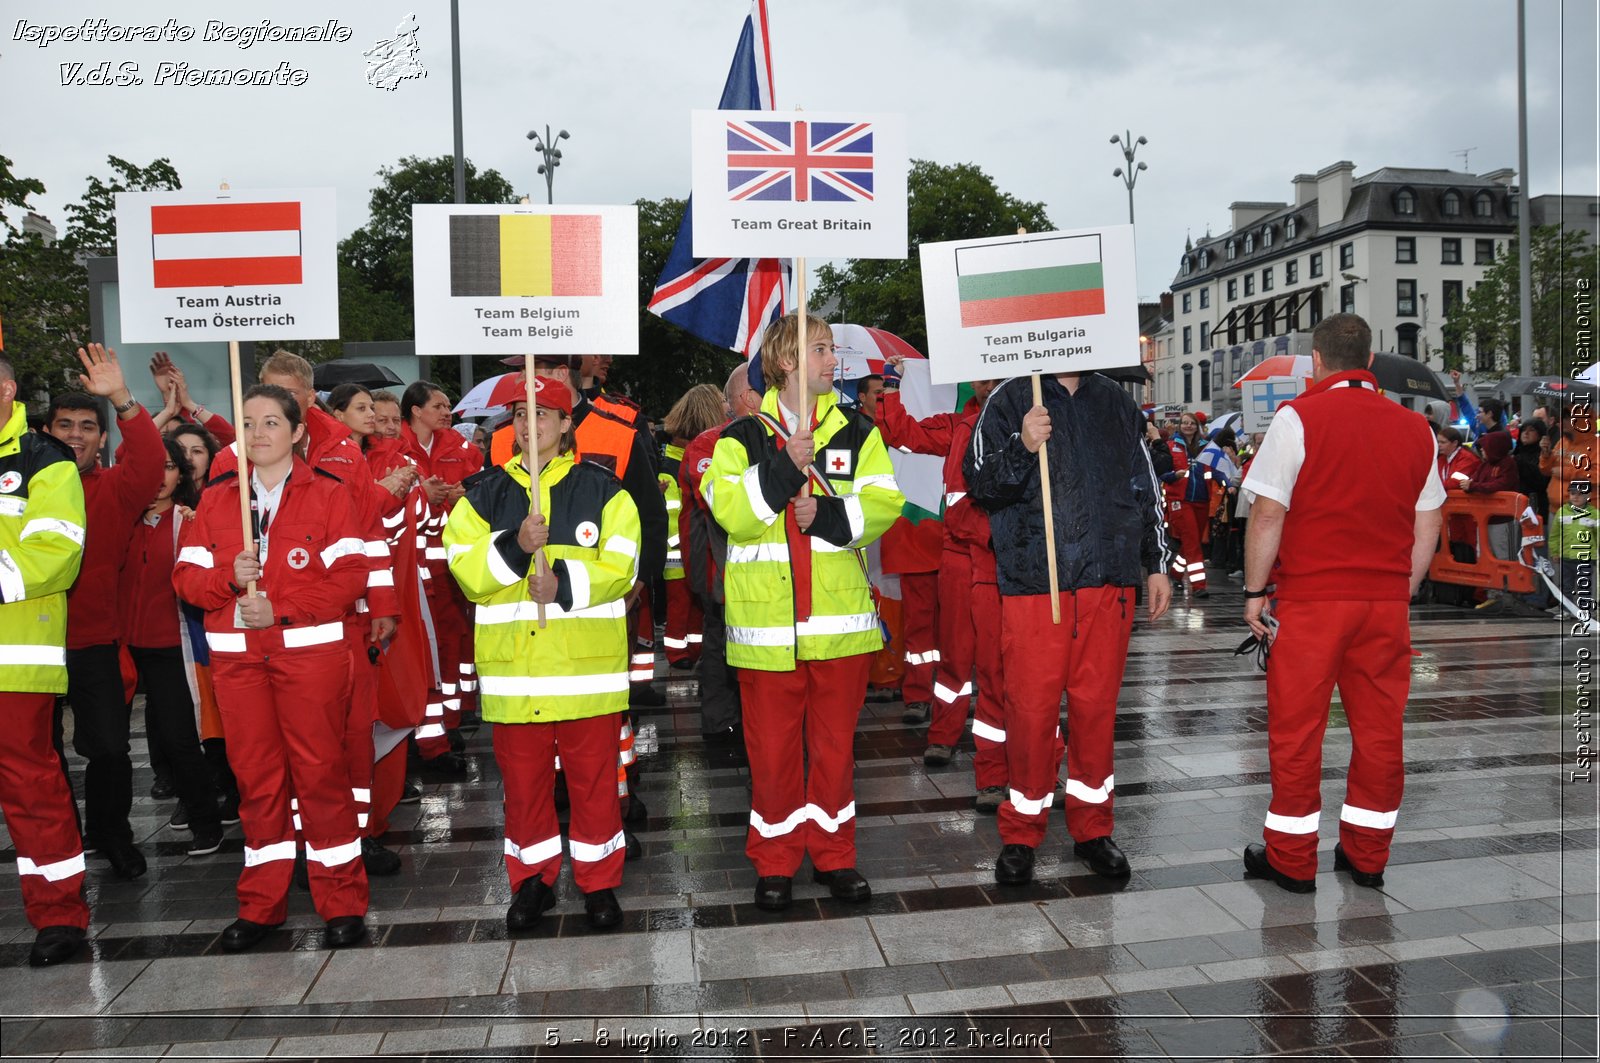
(784, 826)
(983, 730)
(587, 853)
(1029, 807)
(1366, 817)
(268, 853)
(537, 853)
(1294, 824)
(334, 855)
(1091, 795)
(52, 872)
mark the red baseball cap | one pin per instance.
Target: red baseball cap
(547, 392)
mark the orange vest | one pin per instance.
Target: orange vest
(605, 437)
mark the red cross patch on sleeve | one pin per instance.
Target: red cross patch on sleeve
(836, 462)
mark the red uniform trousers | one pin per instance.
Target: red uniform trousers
(362, 711)
(388, 786)
(642, 660)
(1084, 655)
(919, 610)
(40, 814)
(526, 754)
(1365, 648)
(952, 677)
(685, 622)
(285, 717)
(1188, 521)
(443, 711)
(989, 718)
(799, 727)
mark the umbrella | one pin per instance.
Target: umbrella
(1590, 375)
(1127, 374)
(489, 396)
(330, 375)
(1394, 372)
(1546, 387)
(862, 350)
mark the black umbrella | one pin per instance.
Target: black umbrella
(1127, 374)
(1558, 388)
(330, 375)
(1408, 376)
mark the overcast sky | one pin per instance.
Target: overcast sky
(1235, 98)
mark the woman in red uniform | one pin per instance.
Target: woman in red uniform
(282, 668)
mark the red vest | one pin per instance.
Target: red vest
(1350, 525)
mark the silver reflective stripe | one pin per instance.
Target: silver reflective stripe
(268, 853)
(25, 653)
(674, 644)
(53, 872)
(538, 853)
(298, 637)
(578, 583)
(831, 824)
(552, 686)
(857, 517)
(758, 502)
(519, 612)
(1083, 792)
(380, 577)
(359, 794)
(431, 730)
(225, 641)
(52, 524)
(952, 497)
(588, 853)
(435, 553)
(760, 636)
(375, 548)
(1294, 824)
(497, 564)
(983, 730)
(343, 548)
(1028, 807)
(1366, 817)
(334, 855)
(948, 696)
(13, 588)
(621, 544)
(784, 826)
(738, 555)
(848, 624)
(877, 480)
(455, 550)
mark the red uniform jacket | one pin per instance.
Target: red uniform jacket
(314, 570)
(966, 525)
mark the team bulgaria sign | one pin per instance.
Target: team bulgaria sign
(521, 279)
(1057, 302)
(790, 185)
(227, 265)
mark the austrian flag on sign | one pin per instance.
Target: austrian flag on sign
(216, 245)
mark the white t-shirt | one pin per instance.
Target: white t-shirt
(1277, 464)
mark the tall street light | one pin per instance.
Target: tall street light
(546, 146)
(1131, 174)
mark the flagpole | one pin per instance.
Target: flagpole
(534, 468)
(241, 445)
(1044, 496)
(804, 360)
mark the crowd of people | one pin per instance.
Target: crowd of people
(308, 639)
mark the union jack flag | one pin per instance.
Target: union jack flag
(727, 301)
(797, 160)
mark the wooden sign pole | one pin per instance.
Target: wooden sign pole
(804, 411)
(1044, 497)
(535, 467)
(242, 446)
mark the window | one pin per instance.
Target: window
(1450, 205)
(1450, 251)
(1216, 379)
(1249, 284)
(1405, 298)
(1406, 340)
(1183, 267)
(1347, 256)
(1205, 382)
(1486, 360)
(1249, 243)
(1205, 297)
(1315, 269)
(1316, 307)
(1205, 335)
(1188, 302)
(1405, 249)
(1266, 237)
(1347, 299)
(1205, 259)
(1483, 252)
(1290, 227)
(1188, 341)
(1291, 272)
(1452, 296)
(1405, 201)
(1483, 205)
(1234, 359)
(1233, 290)
(1188, 376)
(1513, 204)
(1232, 251)
(1266, 279)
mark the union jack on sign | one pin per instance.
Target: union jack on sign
(797, 160)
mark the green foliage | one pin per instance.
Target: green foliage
(92, 223)
(44, 308)
(1490, 318)
(957, 202)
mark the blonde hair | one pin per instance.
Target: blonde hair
(782, 343)
(287, 363)
(700, 408)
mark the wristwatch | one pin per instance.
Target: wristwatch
(126, 406)
(1262, 593)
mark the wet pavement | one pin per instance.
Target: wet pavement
(1482, 942)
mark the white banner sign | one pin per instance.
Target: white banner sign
(526, 279)
(801, 183)
(1260, 399)
(1058, 302)
(228, 265)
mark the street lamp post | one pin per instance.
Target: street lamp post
(546, 146)
(1131, 174)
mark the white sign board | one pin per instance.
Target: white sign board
(526, 279)
(771, 185)
(1260, 399)
(920, 477)
(228, 265)
(1057, 302)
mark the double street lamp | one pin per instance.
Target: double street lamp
(546, 146)
(1131, 174)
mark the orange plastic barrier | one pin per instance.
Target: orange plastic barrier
(1515, 574)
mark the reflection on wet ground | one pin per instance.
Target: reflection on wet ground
(1481, 943)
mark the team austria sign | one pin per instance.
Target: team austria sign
(225, 265)
(514, 279)
(799, 183)
(1056, 302)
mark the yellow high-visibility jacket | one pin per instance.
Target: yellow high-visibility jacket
(576, 666)
(671, 459)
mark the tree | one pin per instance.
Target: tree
(44, 308)
(671, 360)
(946, 203)
(1490, 317)
(92, 223)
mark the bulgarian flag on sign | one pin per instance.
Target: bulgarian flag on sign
(1039, 279)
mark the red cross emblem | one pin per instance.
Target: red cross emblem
(299, 558)
(587, 534)
(837, 462)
